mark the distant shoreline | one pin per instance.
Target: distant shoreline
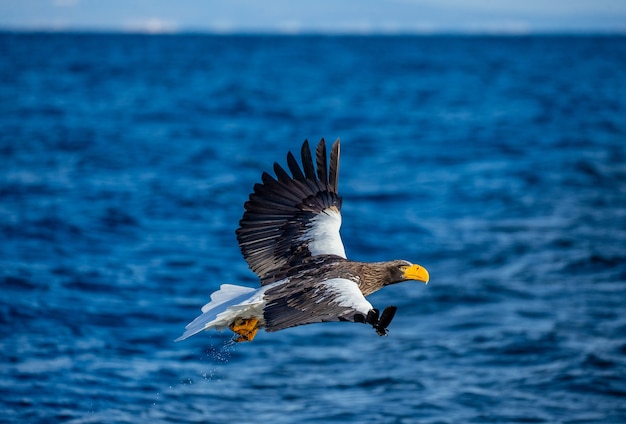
(261, 33)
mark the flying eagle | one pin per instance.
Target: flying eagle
(289, 235)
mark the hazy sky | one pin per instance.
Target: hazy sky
(335, 16)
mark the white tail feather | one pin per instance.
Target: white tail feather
(228, 295)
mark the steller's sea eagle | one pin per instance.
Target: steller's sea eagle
(289, 235)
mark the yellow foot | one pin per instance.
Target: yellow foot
(246, 329)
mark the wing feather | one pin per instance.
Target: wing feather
(334, 167)
(281, 173)
(294, 168)
(307, 161)
(320, 156)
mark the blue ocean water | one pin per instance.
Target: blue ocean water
(499, 163)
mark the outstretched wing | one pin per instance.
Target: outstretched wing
(306, 302)
(291, 218)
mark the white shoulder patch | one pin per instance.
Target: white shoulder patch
(323, 234)
(347, 294)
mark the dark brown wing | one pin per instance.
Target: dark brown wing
(306, 301)
(291, 218)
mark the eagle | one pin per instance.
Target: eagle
(289, 236)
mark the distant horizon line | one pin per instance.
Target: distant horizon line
(312, 32)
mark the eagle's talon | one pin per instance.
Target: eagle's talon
(244, 329)
(381, 331)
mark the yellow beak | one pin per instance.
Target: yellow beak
(416, 272)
